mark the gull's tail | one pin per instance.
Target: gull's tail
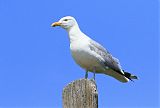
(121, 76)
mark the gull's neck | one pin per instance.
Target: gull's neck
(74, 33)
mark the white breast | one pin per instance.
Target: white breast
(82, 55)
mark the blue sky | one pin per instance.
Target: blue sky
(35, 60)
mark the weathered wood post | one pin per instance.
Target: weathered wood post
(80, 94)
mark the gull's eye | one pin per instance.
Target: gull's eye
(65, 19)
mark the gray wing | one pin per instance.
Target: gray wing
(110, 61)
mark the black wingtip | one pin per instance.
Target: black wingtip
(130, 76)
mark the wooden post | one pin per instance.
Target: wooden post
(80, 94)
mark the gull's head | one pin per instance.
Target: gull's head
(65, 22)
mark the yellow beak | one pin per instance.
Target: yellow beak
(55, 24)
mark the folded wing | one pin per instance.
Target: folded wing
(110, 61)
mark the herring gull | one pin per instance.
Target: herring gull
(89, 54)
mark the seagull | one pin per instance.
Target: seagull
(90, 55)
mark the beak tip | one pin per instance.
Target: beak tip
(52, 25)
